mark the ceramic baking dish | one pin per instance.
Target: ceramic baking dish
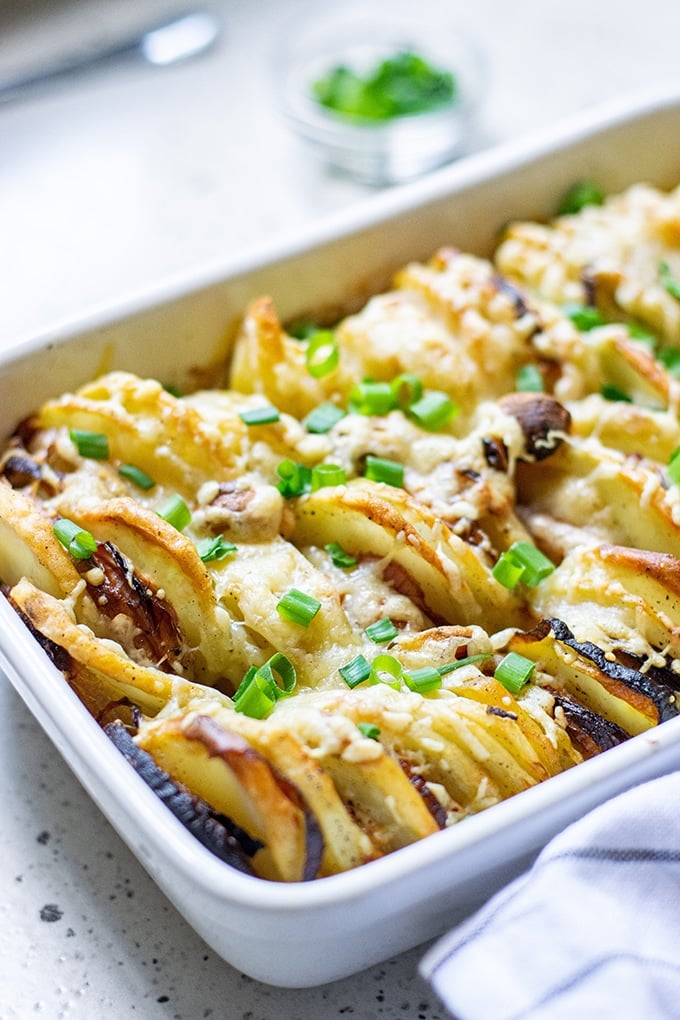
(307, 934)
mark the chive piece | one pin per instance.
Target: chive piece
(136, 475)
(93, 445)
(339, 557)
(584, 317)
(507, 571)
(578, 196)
(327, 474)
(433, 410)
(302, 329)
(669, 283)
(385, 669)
(78, 542)
(449, 667)
(175, 511)
(674, 467)
(294, 479)
(670, 359)
(254, 697)
(369, 730)
(423, 680)
(281, 666)
(381, 631)
(378, 469)
(407, 389)
(323, 418)
(355, 672)
(372, 398)
(298, 607)
(535, 565)
(529, 379)
(514, 671)
(614, 393)
(322, 354)
(641, 333)
(266, 415)
(210, 549)
(173, 390)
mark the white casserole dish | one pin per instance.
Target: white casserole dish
(300, 935)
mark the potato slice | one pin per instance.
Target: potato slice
(29, 547)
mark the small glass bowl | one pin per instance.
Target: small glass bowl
(378, 152)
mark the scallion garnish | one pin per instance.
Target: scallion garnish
(355, 672)
(322, 354)
(327, 474)
(298, 607)
(522, 562)
(78, 542)
(670, 359)
(449, 667)
(669, 283)
(294, 479)
(673, 469)
(266, 415)
(610, 392)
(584, 317)
(372, 398)
(262, 686)
(369, 730)
(578, 196)
(210, 549)
(137, 476)
(378, 469)
(407, 389)
(385, 669)
(529, 379)
(381, 631)
(433, 410)
(323, 418)
(93, 445)
(175, 511)
(339, 557)
(514, 671)
(423, 680)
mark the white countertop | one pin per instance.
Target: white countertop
(113, 186)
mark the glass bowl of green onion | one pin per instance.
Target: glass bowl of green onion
(380, 95)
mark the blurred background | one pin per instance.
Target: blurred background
(115, 183)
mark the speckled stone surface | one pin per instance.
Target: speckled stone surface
(113, 187)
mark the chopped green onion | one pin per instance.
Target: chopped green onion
(322, 354)
(372, 398)
(522, 562)
(584, 317)
(507, 571)
(674, 467)
(294, 479)
(327, 474)
(175, 511)
(385, 669)
(529, 379)
(670, 359)
(369, 730)
(406, 390)
(136, 475)
(614, 393)
(339, 557)
(78, 542)
(449, 667)
(298, 607)
(302, 329)
(266, 415)
(93, 445)
(355, 672)
(669, 283)
(578, 196)
(214, 548)
(254, 697)
(641, 333)
(514, 671)
(378, 469)
(281, 666)
(381, 631)
(433, 410)
(173, 390)
(323, 418)
(423, 680)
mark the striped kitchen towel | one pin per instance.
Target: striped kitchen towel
(592, 930)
